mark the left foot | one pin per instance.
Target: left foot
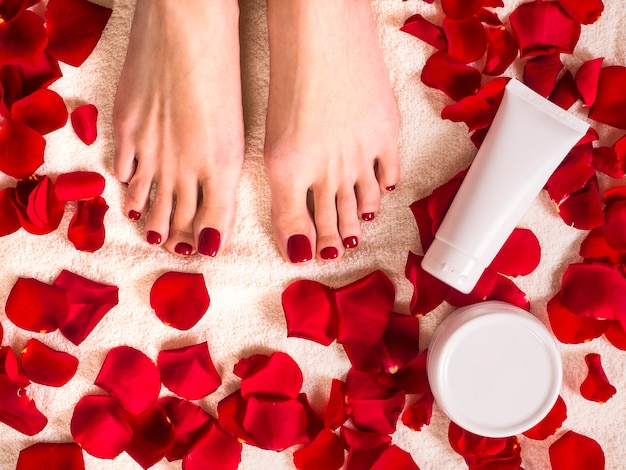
(332, 125)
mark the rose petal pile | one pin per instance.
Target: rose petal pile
(31, 47)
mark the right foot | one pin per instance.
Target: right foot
(179, 123)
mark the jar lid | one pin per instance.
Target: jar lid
(494, 369)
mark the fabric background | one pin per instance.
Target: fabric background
(246, 281)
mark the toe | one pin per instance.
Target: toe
(180, 240)
(138, 193)
(367, 196)
(388, 170)
(329, 243)
(349, 224)
(157, 224)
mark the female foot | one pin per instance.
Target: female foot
(179, 125)
(332, 125)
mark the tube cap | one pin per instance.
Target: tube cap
(454, 267)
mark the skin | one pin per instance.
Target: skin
(331, 133)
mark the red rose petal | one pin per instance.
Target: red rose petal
(100, 427)
(587, 80)
(452, 77)
(596, 386)
(215, 450)
(89, 303)
(79, 185)
(9, 221)
(519, 255)
(314, 423)
(18, 410)
(74, 28)
(86, 229)
(44, 210)
(40, 74)
(335, 414)
(541, 73)
(180, 300)
(565, 93)
(488, 16)
(10, 367)
(22, 39)
(428, 32)
(36, 306)
(189, 421)
(615, 226)
(606, 160)
(418, 414)
(51, 456)
(583, 11)
(275, 424)
(411, 378)
(501, 453)
(231, 411)
(153, 436)
(594, 247)
(364, 459)
(549, 425)
(461, 9)
(428, 291)
(608, 107)
(46, 366)
(310, 312)
(424, 222)
(325, 452)
(616, 335)
(363, 309)
(583, 209)
(573, 451)
(44, 111)
(467, 40)
(502, 50)
(473, 110)
(544, 28)
(9, 9)
(572, 174)
(277, 375)
(129, 375)
(613, 195)
(595, 290)
(362, 440)
(396, 458)
(16, 139)
(570, 328)
(84, 122)
(189, 372)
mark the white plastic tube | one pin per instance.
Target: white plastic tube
(527, 140)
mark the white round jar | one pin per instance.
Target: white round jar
(494, 369)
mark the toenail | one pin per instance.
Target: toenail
(154, 238)
(183, 249)
(330, 252)
(134, 215)
(390, 188)
(351, 242)
(368, 216)
(209, 242)
(299, 249)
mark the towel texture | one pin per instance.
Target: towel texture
(245, 283)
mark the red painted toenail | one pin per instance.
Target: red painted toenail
(184, 249)
(351, 242)
(154, 238)
(209, 242)
(390, 188)
(134, 215)
(368, 216)
(299, 249)
(330, 252)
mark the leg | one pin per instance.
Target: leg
(332, 125)
(179, 124)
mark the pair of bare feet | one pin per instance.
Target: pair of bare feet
(332, 124)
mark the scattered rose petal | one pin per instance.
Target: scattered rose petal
(39, 74)
(9, 221)
(502, 453)
(79, 185)
(596, 386)
(570, 328)
(410, 378)
(565, 93)
(614, 229)
(22, 39)
(129, 375)
(606, 160)
(86, 229)
(363, 440)
(314, 422)
(428, 291)
(542, 72)
(231, 411)
(364, 459)
(585, 12)
(608, 107)
(573, 451)
(277, 375)
(310, 312)
(36, 306)
(572, 175)
(594, 247)
(51, 456)
(396, 458)
(10, 367)
(473, 110)
(418, 414)
(100, 427)
(461, 9)
(520, 254)
(335, 414)
(153, 436)
(215, 450)
(46, 366)
(74, 28)
(587, 79)
(89, 302)
(583, 208)
(544, 28)
(616, 335)
(18, 410)
(189, 372)
(84, 122)
(502, 50)
(428, 32)
(325, 452)
(467, 40)
(549, 425)
(44, 111)
(450, 76)
(17, 139)
(180, 300)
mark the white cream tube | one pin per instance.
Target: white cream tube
(527, 140)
